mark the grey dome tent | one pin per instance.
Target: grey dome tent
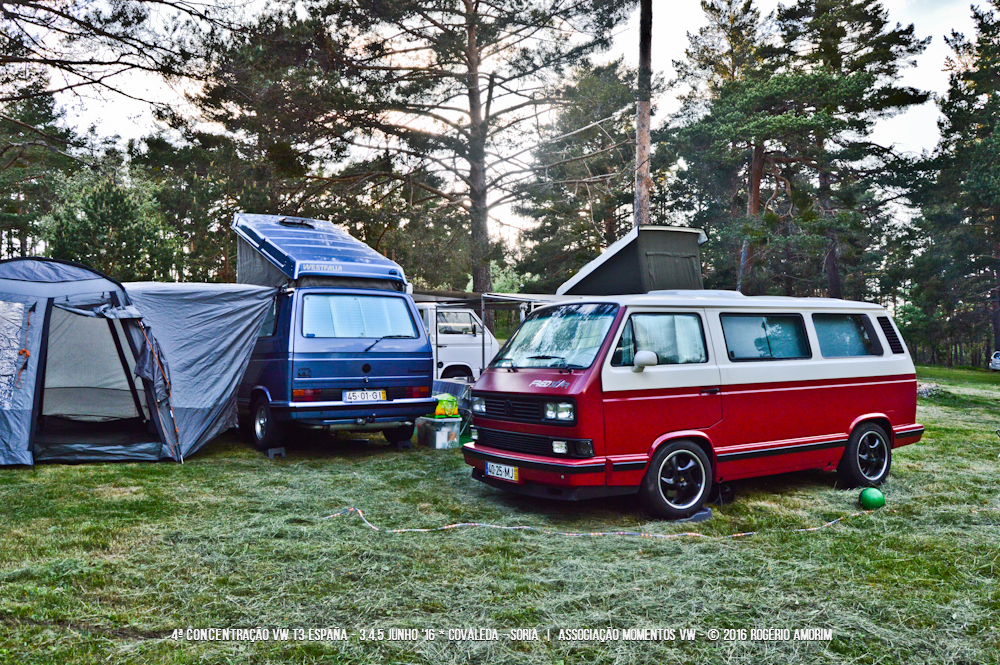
(94, 370)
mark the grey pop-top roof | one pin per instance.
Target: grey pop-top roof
(298, 246)
(645, 259)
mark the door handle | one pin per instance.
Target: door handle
(710, 391)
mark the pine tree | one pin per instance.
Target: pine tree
(113, 227)
(581, 194)
(34, 150)
(956, 276)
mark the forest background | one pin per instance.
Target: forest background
(417, 125)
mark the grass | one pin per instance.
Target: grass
(101, 562)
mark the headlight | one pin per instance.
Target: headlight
(560, 411)
(478, 405)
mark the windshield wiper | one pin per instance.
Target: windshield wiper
(385, 337)
(561, 364)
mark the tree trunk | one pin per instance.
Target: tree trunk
(482, 280)
(744, 282)
(643, 183)
(995, 314)
(834, 288)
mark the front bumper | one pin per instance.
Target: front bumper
(550, 492)
(538, 470)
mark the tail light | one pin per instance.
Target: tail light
(307, 395)
(414, 392)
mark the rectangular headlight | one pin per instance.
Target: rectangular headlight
(559, 447)
(478, 405)
(563, 411)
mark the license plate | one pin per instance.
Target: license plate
(364, 395)
(501, 471)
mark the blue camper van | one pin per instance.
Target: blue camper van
(343, 347)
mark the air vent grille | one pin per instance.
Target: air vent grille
(895, 343)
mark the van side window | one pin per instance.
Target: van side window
(267, 327)
(846, 335)
(767, 337)
(456, 323)
(674, 338)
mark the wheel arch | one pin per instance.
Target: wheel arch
(879, 419)
(258, 391)
(697, 437)
(465, 369)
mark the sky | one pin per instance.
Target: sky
(672, 20)
(910, 132)
(913, 131)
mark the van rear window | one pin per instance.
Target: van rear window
(768, 337)
(674, 338)
(356, 317)
(846, 335)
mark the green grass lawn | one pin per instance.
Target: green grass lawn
(100, 563)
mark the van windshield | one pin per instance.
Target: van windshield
(568, 336)
(356, 317)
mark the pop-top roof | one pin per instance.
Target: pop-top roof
(647, 258)
(299, 246)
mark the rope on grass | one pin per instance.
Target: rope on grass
(635, 534)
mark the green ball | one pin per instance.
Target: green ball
(871, 499)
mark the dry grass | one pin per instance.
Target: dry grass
(98, 563)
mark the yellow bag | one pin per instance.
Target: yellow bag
(447, 406)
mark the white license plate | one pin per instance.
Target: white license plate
(364, 395)
(501, 471)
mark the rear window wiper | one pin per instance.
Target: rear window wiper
(386, 337)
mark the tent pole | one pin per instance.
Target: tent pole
(150, 392)
(124, 362)
(39, 401)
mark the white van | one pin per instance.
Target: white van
(462, 346)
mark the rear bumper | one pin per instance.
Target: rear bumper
(906, 434)
(334, 414)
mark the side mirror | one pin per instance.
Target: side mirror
(644, 359)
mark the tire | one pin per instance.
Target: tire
(678, 482)
(457, 373)
(264, 431)
(867, 457)
(399, 434)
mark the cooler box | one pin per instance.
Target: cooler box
(439, 432)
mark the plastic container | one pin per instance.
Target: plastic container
(439, 432)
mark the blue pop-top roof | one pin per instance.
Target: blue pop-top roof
(299, 246)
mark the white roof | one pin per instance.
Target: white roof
(725, 300)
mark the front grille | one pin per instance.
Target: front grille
(520, 410)
(520, 443)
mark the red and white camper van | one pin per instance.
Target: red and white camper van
(669, 393)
